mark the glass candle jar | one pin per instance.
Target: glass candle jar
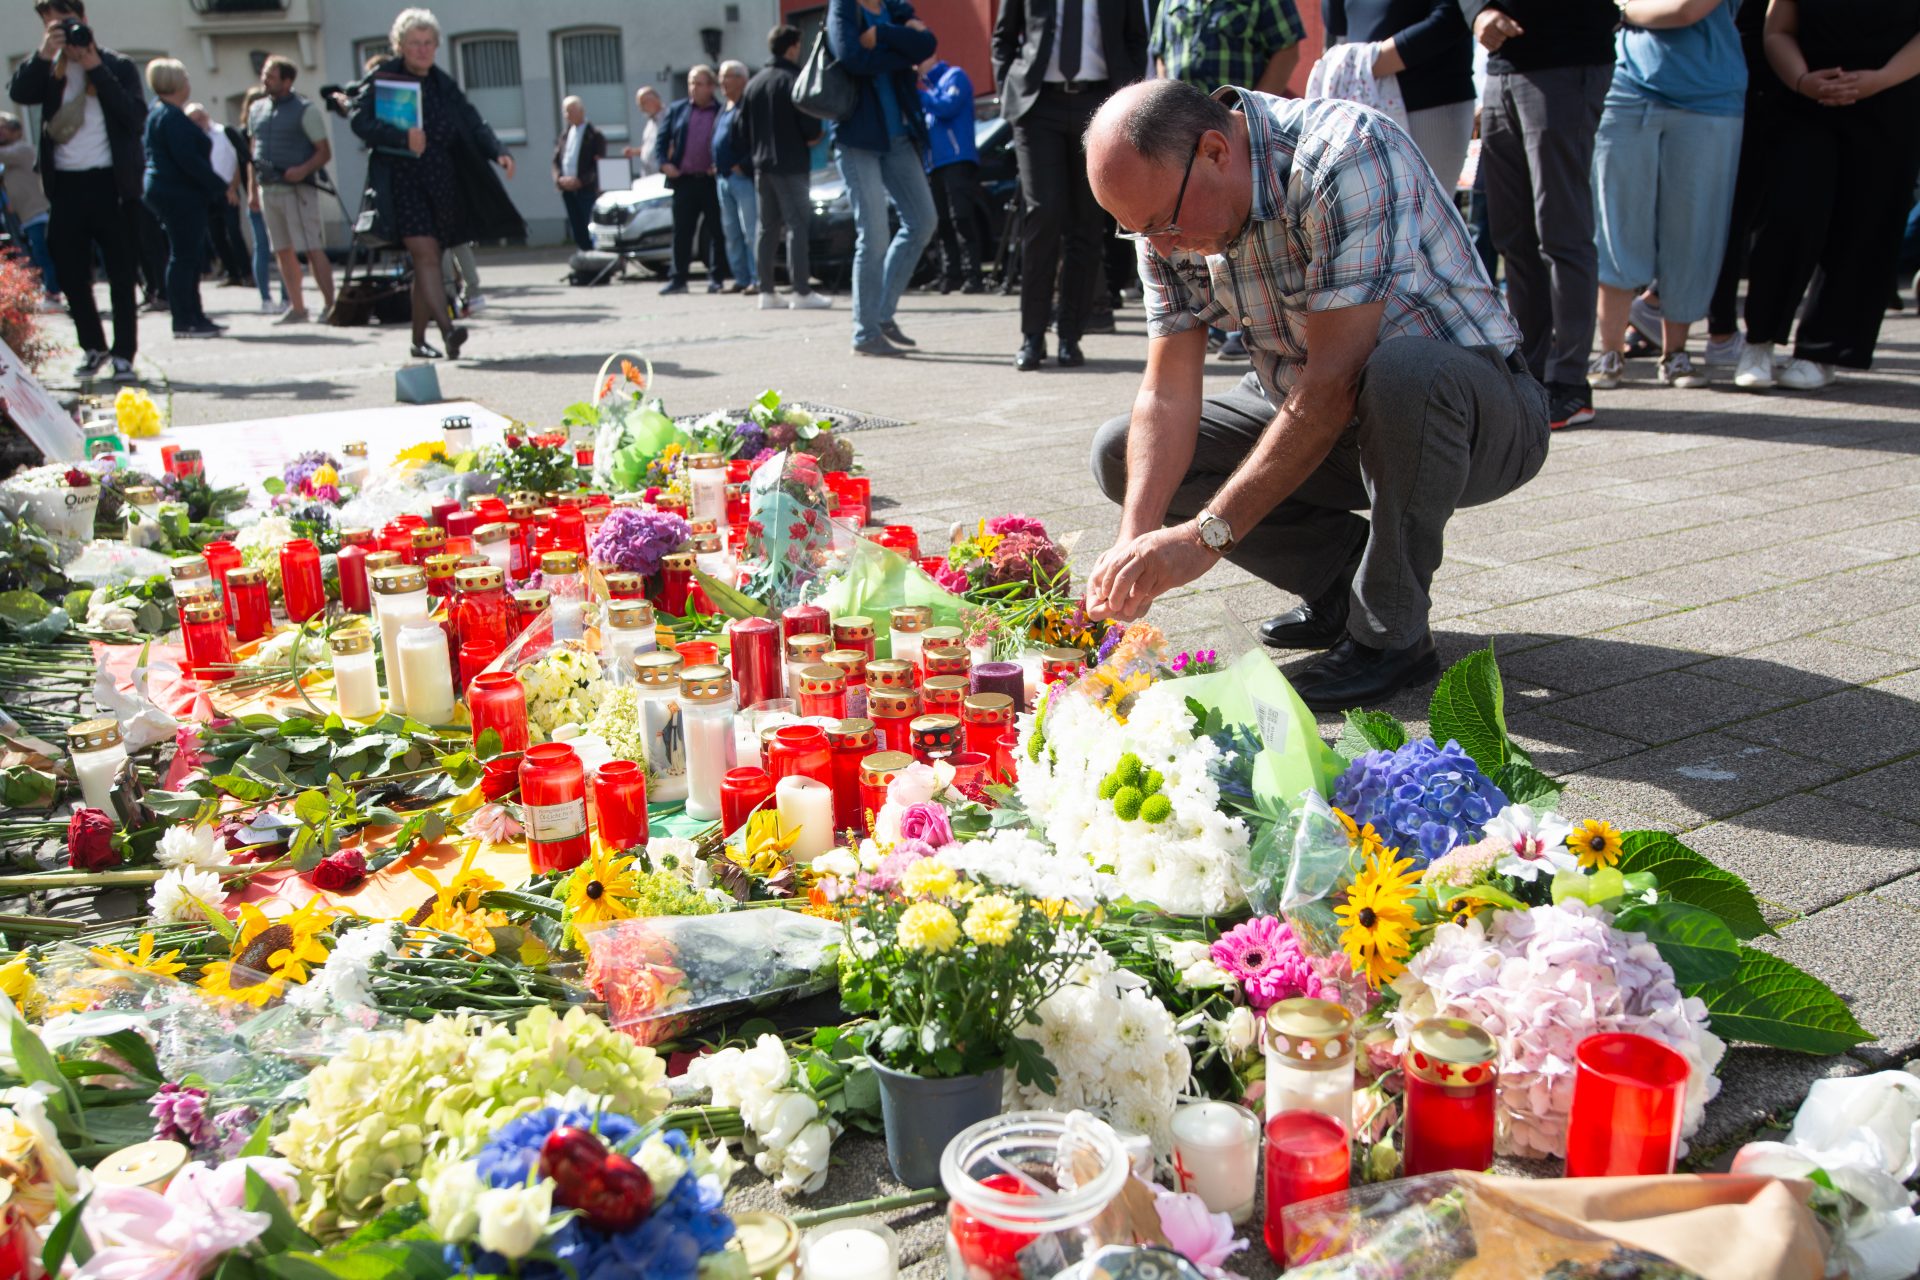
(985, 718)
(222, 558)
(629, 631)
(1629, 1097)
(1307, 1156)
(754, 654)
(142, 514)
(892, 712)
(495, 542)
(944, 659)
(187, 462)
(943, 695)
(854, 631)
(856, 492)
(353, 463)
(800, 750)
(909, 621)
(378, 559)
(457, 430)
(698, 653)
(676, 583)
(854, 663)
(850, 742)
(475, 658)
(902, 538)
(400, 596)
(426, 672)
(622, 585)
(934, 737)
(892, 673)
(497, 700)
(707, 487)
(876, 771)
(1007, 758)
(739, 504)
(1062, 664)
(440, 567)
(97, 753)
(1451, 1077)
(1027, 1180)
(1309, 1048)
(203, 628)
(189, 571)
(741, 792)
(356, 685)
(566, 593)
(426, 540)
(302, 590)
(805, 650)
(661, 727)
(620, 804)
(851, 1249)
(1216, 1156)
(528, 604)
(248, 604)
(352, 566)
(707, 707)
(480, 612)
(553, 807)
(823, 692)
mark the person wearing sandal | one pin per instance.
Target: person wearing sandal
(433, 186)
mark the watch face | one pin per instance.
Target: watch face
(1214, 532)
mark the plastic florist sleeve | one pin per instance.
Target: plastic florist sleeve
(1466, 1226)
(793, 542)
(879, 579)
(665, 976)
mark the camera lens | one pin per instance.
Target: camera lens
(78, 33)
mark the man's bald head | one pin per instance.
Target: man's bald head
(1138, 148)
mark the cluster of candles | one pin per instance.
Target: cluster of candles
(1628, 1101)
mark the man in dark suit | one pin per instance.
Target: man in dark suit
(1056, 61)
(685, 154)
(577, 153)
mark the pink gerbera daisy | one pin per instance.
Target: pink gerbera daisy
(1266, 960)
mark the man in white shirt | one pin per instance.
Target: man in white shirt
(223, 218)
(576, 168)
(653, 108)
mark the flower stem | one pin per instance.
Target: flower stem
(884, 1204)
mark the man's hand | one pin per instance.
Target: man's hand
(569, 184)
(631, 152)
(1494, 28)
(417, 141)
(868, 39)
(88, 58)
(506, 166)
(1131, 575)
(54, 41)
(233, 197)
(670, 170)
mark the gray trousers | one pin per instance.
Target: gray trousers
(1436, 427)
(785, 208)
(1536, 159)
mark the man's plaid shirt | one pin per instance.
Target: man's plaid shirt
(1211, 43)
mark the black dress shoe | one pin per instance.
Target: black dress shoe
(456, 339)
(1070, 357)
(1320, 622)
(1032, 352)
(1352, 674)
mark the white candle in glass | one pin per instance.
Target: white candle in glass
(856, 1249)
(426, 673)
(806, 806)
(1216, 1155)
(1030, 668)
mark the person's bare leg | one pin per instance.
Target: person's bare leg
(1673, 337)
(1612, 318)
(290, 276)
(322, 275)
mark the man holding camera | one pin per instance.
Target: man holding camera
(92, 112)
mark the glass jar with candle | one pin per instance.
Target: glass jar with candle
(943, 695)
(222, 558)
(497, 700)
(248, 603)
(203, 629)
(566, 592)
(946, 660)
(934, 737)
(187, 462)
(676, 583)
(1061, 664)
(622, 585)
(302, 590)
(461, 524)
(1216, 1156)
(658, 675)
(495, 542)
(629, 630)
(941, 637)
(985, 717)
(800, 750)
(400, 595)
(909, 622)
(1309, 1046)
(356, 686)
(353, 466)
(804, 620)
(854, 663)
(892, 673)
(698, 653)
(480, 612)
(850, 1249)
(457, 428)
(854, 631)
(1451, 1077)
(739, 504)
(426, 540)
(892, 712)
(528, 604)
(850, 742)
(902, 538)
(188, 571)
(97, 753)
(803, 651)
(1307, 1155)
(741, 792)
(1028, 1180)
(474, 659)
(620, 804)
(553, 807)
(754, 654)
(1629, 1099)
(823, 692)
(876, 771)
(426, 672)
(706, 707)
(440, 567)
(805, 806)
(437, 514)
(707, 485)
(142, 514)
(352, 566)
(709, 554)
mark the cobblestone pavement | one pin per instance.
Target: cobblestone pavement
(1707, 605)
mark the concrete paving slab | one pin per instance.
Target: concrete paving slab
(1774, 849)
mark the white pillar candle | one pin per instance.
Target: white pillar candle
(857, 1249)
(1030, 667)
(426, 673)
(805, 806)
(1216, 1155)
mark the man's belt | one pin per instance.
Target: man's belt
(1077, 86)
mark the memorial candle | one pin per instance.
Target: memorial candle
(804, 651)
(426, 672)
(1309, 1051)
(620, 804)
(754, 654)
(823, 692)
(496, 700)
(854, 663)
(800, 750)
(1629, 1097)
(628, 630)
(909, 622)
(741, 792)
(804, 620)
(356, 687)
(945, 660)
(440, 567)
(851, 1249)
(1451, 1080)
(480, 612)
(892, 712)
(662, 727)
(98, 753)
(986, 717)
(943, 695)
(553, 805)
(676, 583)
(352, 564)
(248, 604)
(1001, 677)
(854, 631)
(302, 590)
(934, 737)
(222, 558)
(891, 673)
(805, 806)
(850, 741)
(203, 629)
(1307, 1156)
(876, 771)
(528, 604)
(1216, 1156)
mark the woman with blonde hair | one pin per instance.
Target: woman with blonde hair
(432, 183)
(179, 184)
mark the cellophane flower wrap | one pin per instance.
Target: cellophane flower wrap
(792, 540)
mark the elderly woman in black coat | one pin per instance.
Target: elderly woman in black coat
(432, 184)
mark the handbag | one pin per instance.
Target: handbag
(825, 89)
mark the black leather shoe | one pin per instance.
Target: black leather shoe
(1352, 674)
(1032, 352)
(1320, 622)
(1070, 357)
(456, 339)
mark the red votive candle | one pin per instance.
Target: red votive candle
(352, 561)
(892, 712)
(676, 583)
(987, 717)
(741, 792)
(971, 769)
(934, 737)
(1451, 1078)
(851, 741)
(622, 585)
(754, 645)
(302, 589)
(698, 653)
(1061, 664)
(440, 567)
(475, 657)
(823, 691)
(903, 539)
(203, 629)
(800, 750)
(438, 513)
(854, 631)
(461, 524)
(1006, 756)
(1306, 1157)
(876, 771)
(480, 612)
(496, 700)
(805, 620)
(553, 802)
(222, 558)
(248, 604)
(500, 777)
(620, 800)
(1629, 1093)
(943, 696)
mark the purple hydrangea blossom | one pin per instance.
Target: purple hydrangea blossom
(749, 439)
(636, 540)
(180, 1115)
(1427, 799)
(301, 469)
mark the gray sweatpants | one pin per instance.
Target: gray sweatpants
(1436, 427)
(785, 209)
(1536, 159)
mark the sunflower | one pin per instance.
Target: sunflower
(144, 960)
(419, 455)
(289, 946)
(1596, 842)
(1363, 838)
(597, 889)
(230, 980)
(1377, 917)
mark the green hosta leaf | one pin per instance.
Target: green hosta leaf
(23, 608)
(1696, 942)
(1686, 876)
(1770, 1002)
(1469, 707)
(1370, 731)
(1524, 784)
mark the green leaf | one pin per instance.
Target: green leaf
(66, 1238)
(242, 788)
(25, 788)
(733, 603)
(1696, 942)
(274, 484)
(1484, 893)
(133, 1047)
(1686, 876)
(1469, 707)
(1370, 731)
(1524, 784)
(1769, 1002)
(1599, 889)
(23, 608)
(282, 1232)
(258, 1141)
(221, 925)
(312, 807)
(396, 1259)
(488, 744)
(37, 1065)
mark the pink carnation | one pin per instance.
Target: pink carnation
(1265, 958)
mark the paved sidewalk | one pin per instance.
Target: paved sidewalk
(1707, 605)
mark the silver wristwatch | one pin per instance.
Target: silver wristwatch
(1215, 533)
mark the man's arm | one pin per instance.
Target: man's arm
(1282, 29)
(1008, 32)
(322, 154)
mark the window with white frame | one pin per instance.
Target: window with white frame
(371, 47)
(489, 70)
(591, 69)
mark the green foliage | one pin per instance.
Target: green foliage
(1367, 731)
(537, 468)
(1768, 1001)
(1696, 942)
(1686, 876)
(1523, 784)
(1469, 707)
(29, 559)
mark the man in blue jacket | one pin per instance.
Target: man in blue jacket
(953, 166)
(733, 169)
(685, 154)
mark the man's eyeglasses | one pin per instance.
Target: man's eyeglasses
(1173, 227)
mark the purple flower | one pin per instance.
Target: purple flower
(1423, 798)
(748, 439)
(180, 1115)
(635, 540)
(1267, 961)
(927, 823)
(301, 469)
(1108, 645)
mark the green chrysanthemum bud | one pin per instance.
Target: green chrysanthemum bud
(1152, 783)
(1156, 808)
(1109, 786)
(1126, 803)
(1128, 770)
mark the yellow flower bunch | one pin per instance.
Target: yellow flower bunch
(992, 919)
(1377, 920)
(419, 455)
(928, 926)
(164, 965)
(19, 985)
(323, 476)
(1363, 839)
(136, 414)
(928, 878)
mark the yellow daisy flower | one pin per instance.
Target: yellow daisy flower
(992, 919)
(928, 878)
(1596, 842)
(597, 890)
(928, 926)
(142, 961)
(1377, 917)
(1363, 838)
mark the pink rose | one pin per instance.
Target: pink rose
(926, 822)
(952, 580)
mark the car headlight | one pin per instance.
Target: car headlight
(842, 203)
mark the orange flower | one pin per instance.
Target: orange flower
(633, 375)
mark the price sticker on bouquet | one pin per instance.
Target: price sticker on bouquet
(1274, 724)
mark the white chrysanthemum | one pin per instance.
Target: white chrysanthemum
(178, 894)
(185, 846)
(342, 982)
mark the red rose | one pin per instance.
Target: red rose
(90, 841)
(342, 870)
(513, 441)
(78, 479)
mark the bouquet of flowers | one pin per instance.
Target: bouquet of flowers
(635, 540)
(1016, 579)
(530, 463)
(783, 426)
(627, 430)
(135, 413)
(564, 686)
(792, 540)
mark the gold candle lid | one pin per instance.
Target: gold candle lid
(144, 1164)
(560, 562)
(987, 708)
(878, 769)
(94, 735)
(706, 461)
(946, 660)
(911, 617)
(1311, 1033)
(936, 733)
(703, 526)
(531, 600)
(851, 733)
(206, 609)
(398, 579)
(570, 501)
(472, 560)
(351, 641)
(942, 637)
(706, 684)
(893, 703)
(889, 673)
(427, 537)
(185, 593)
(809, 647)
(378, 560)
(678, 561)
(488, 534)
(621, 582)
(851, 661)
(356, 537)
(1063, 657)
(657, 670)
(629, 615)
(670, 502)
(246, 577)
(479, 578)
(822, 680)
(354, 448)
(1451, 1052)
(769, 1241)
(944, 692)
(705, 544)
(520, 511)
(442, 564)
(852, 628)
(141, 495)
(187, 568)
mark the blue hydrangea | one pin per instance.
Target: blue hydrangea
(513, 1153)
(1424, 798)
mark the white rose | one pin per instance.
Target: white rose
(839, 863)
(453, 1197)
(662, 1164)
(807, 1155)
(1239, 1030)
(780, 1117)
(514, 1219)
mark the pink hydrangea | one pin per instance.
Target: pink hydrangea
(1265, 958)
(1016, 524)
(1540, 981)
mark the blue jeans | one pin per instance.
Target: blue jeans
(1909, 244)
(880, 274)
(263, 265)
(740, 219)
(184, 215)
(35, 234)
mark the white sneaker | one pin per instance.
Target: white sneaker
(1803, 375)
(1755, 371)
(476, 303)
(771, 302)
(293, 317)
(1677, 370)
(1606, 370)
(268, 307)
(1724, 353)
(1645, 316)
(810, 302)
